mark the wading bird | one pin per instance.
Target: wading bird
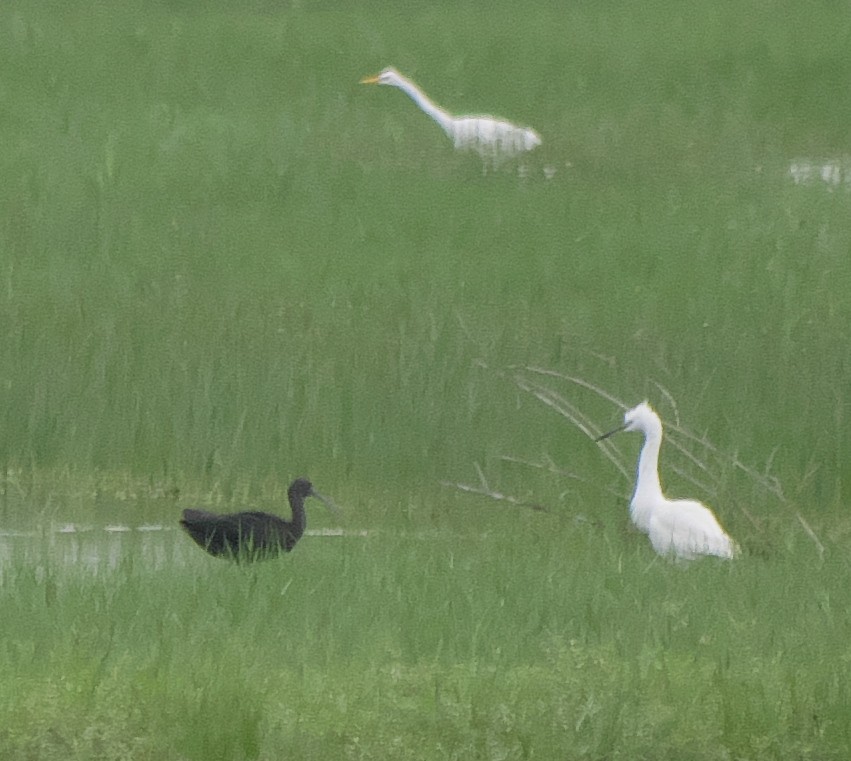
(684, 528)
(252, 535)
(489, 137)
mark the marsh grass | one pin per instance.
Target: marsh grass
(224, 265)
(430, 645)
(223, 259)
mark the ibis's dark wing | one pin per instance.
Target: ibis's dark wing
(238, 534)
(208, 530)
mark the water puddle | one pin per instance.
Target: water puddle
(93, 549)
(833, 173)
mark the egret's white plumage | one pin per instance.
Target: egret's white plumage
(684, 528)
(489, 137)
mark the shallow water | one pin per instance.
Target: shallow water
(92, 549)
(833, 173)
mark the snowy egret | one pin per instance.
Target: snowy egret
(252, 535)
(684, 528)
(489, 137)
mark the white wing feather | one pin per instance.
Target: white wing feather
(687, 529)
(492, 137)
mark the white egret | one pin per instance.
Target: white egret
(489, 137)
(684, 528)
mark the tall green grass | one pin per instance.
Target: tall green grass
(224, 264)
(223, 259)
(435, 644)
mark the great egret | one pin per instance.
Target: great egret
(684, 528)
(489, 137)
(252, 535)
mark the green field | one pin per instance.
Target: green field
(225, 264)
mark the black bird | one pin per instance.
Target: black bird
(252, 535)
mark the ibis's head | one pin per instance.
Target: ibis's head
(388, 76)
(301, 488)
(639, 418)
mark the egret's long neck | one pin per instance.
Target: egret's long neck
(426, 104)
(647, 484)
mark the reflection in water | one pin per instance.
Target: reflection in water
(92, 550)
(831, 172)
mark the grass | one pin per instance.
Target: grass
(224, 264)
(532, 645)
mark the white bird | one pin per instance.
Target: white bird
(684, 528)
(489, 137)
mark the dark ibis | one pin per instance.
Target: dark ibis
(252, 535)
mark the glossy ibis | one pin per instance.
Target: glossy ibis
(252, 535)
(684, 528)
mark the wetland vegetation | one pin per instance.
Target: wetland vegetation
(223, 265)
